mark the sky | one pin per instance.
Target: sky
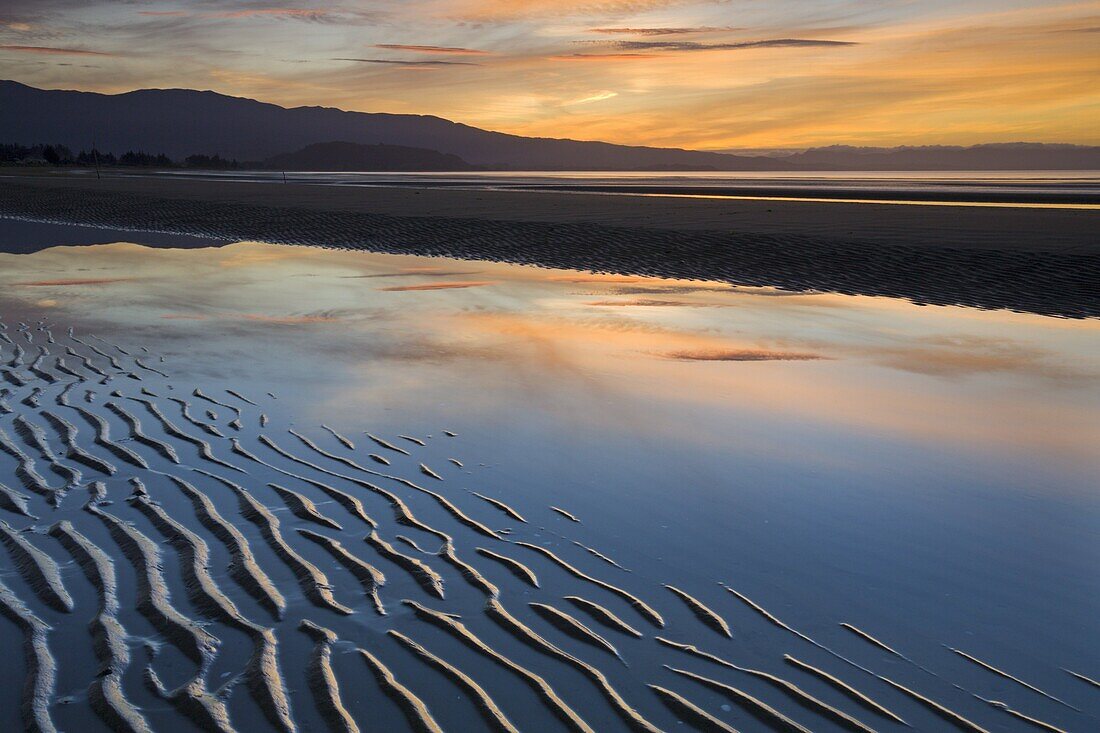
(710, 74)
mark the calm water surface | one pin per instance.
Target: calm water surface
(928, 474)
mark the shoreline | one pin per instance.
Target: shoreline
(1044, 261)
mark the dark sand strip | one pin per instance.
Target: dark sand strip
(1036, 260)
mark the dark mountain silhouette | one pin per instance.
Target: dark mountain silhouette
(183, 122)
(180, 122)
(344, 156)
(993, 156)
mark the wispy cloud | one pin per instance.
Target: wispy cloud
(600, 56)
(400, 62)
(663, 31)
(734, 46)
(54, 50)
(448, 50)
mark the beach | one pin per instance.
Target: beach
(297, 488)
(1039, 260)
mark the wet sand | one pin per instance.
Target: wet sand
(1041, 260)
(195, 552)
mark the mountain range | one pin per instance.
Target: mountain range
(182, 122)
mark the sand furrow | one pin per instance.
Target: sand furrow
(858, 697)
(301, 507)
(468, 571)
(565, 514)
(949, 715)
(73, 451)
(349, 502)
(411, 439)
(347, 443)
(185, 412)
(142, 365)
(695, 715)
(641, 606)
(241, 397)
(799, 695)
(543, 689)
(600, 555)
(1021, 716)
(572, 627)
(322, 680)
(103, 439)
(604, 616)
(501, 506)
(194, 701)
(629, 715)
(387, 445)
(429, 472)
(315, 585)
(85, 361)
(515, 567)
(472, 691)
(14, 502)
(416, 712)
(244, 569)
(1083, 678)
(26, 471)
(401, 510)
(35, 437)
(105, 694)
(702, 611)
(137, 434)
(41, 673)
(170, 428)
(1007, 676)
(758, 708)
(203, 396)
(194, 560)
(153, 597)
(38, 569)
(370, 577)
(429, 579)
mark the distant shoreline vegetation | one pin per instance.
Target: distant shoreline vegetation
(56, 155)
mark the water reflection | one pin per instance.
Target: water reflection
(928, 472)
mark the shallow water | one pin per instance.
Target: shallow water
(925, 474)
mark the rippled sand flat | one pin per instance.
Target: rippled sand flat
(251, 488)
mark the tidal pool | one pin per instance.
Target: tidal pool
(927, 475)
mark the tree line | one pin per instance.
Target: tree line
(61, 155)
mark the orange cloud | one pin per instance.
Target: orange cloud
(53, 50)
(439, 286)
(449, 50)
(739, 355)
(86, 281)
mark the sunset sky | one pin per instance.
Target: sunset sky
(723, 74)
